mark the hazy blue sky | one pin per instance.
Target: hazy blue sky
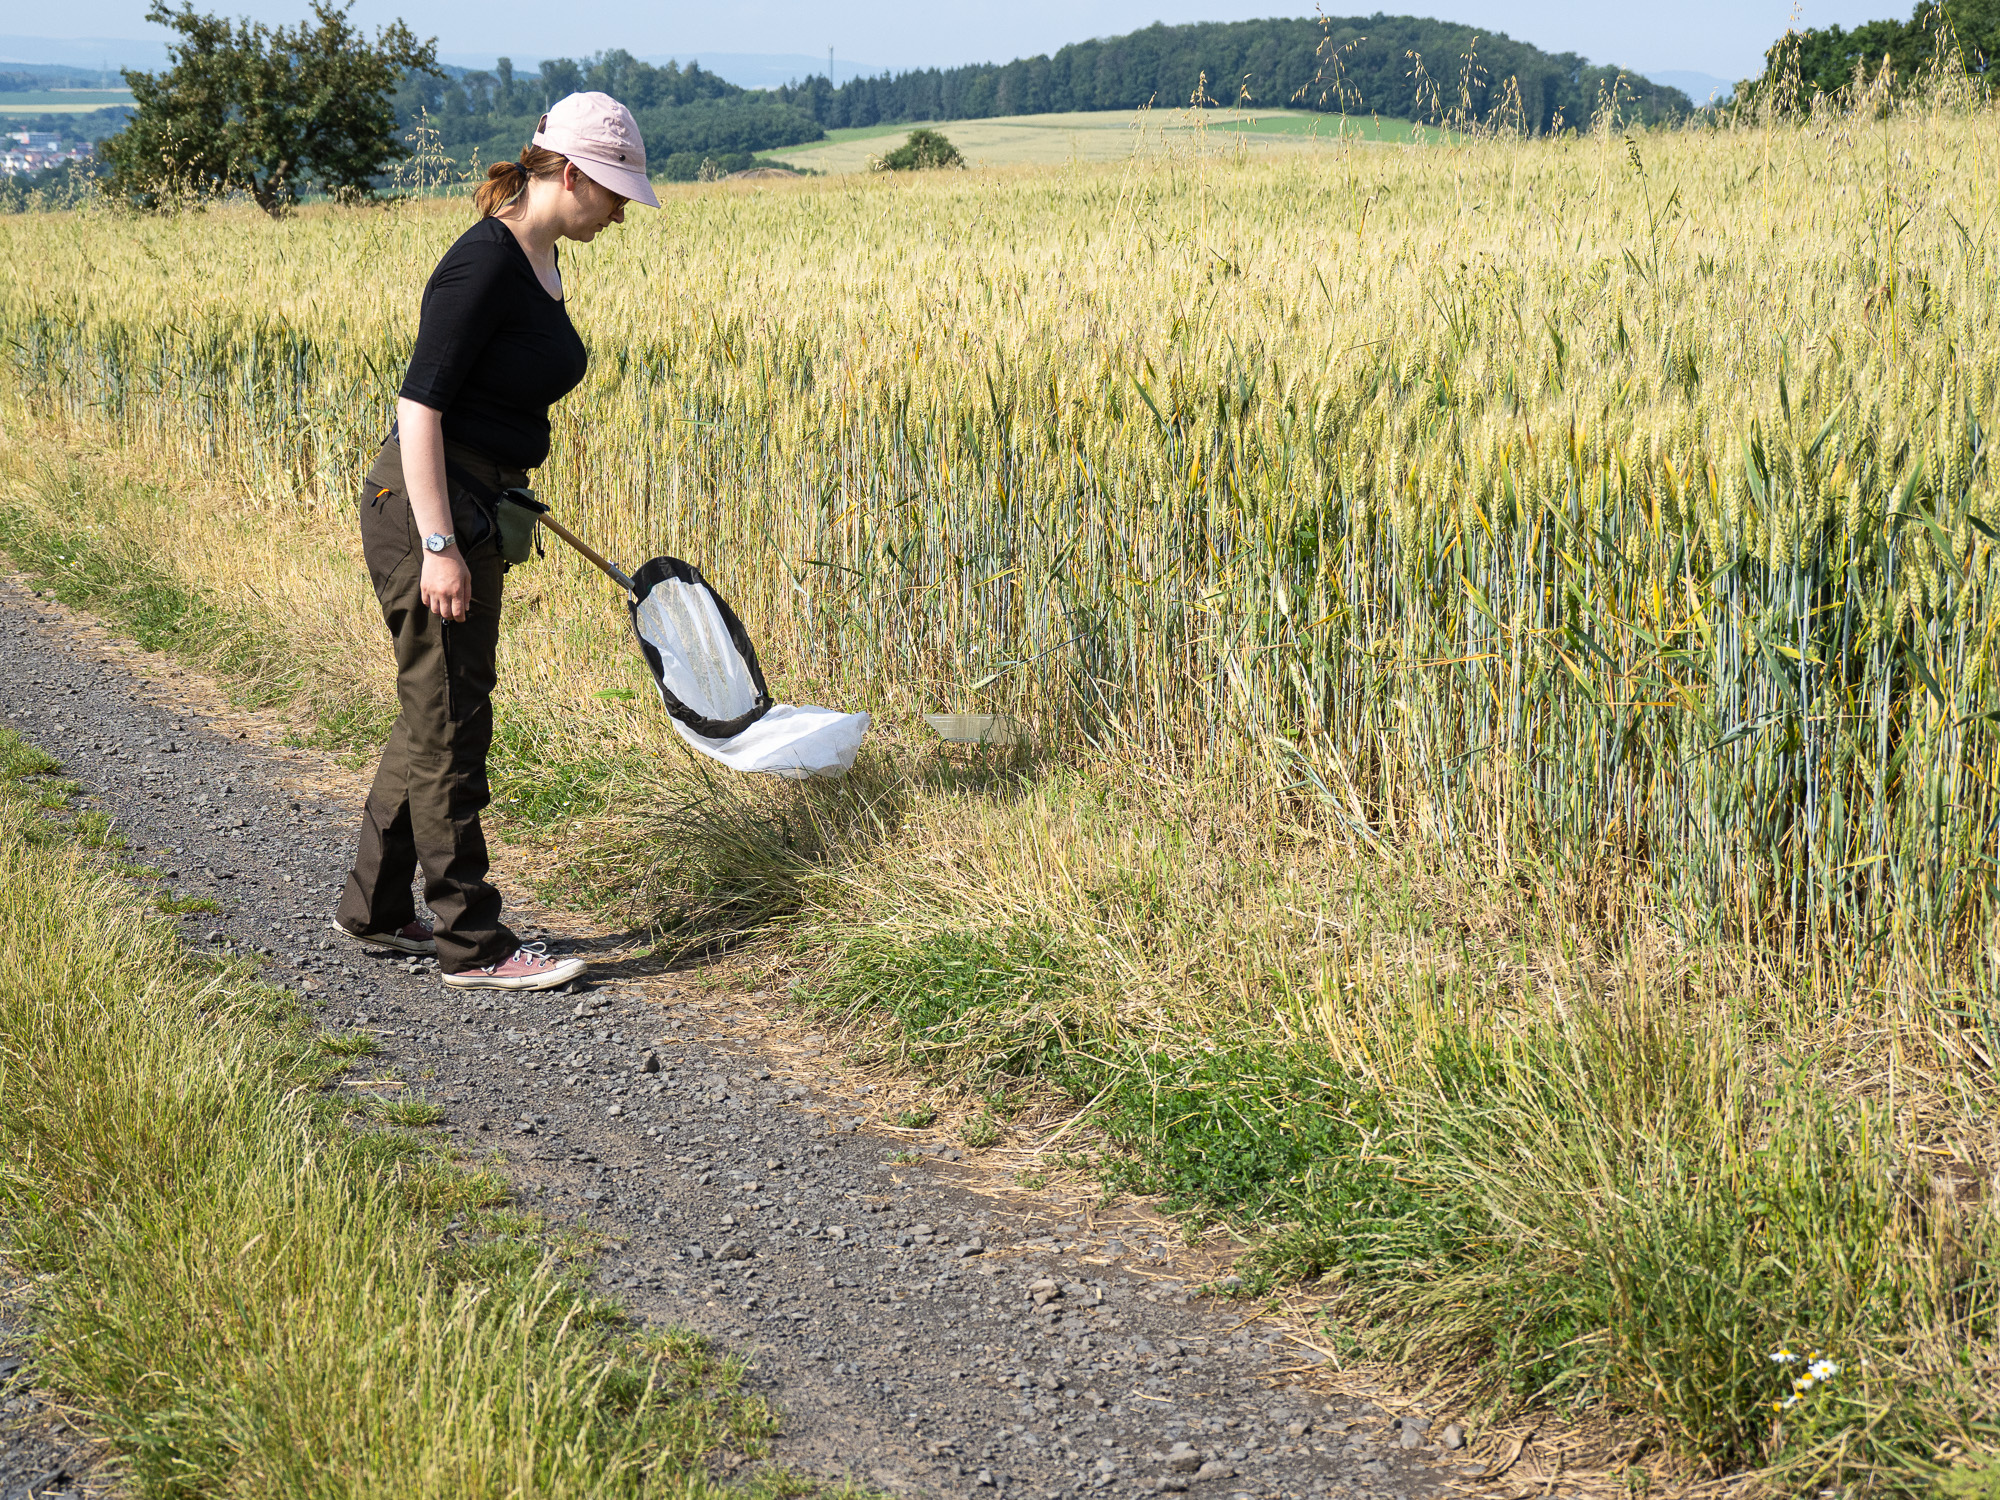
(1723, 37)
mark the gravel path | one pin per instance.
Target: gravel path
(922, 1335)
(39, 1455)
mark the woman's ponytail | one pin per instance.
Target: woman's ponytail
(506, 181)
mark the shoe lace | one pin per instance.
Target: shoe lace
(534, 953)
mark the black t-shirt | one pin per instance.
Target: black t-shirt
(494, 350)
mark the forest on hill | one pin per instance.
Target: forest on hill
(687, 113)
(1406, 67)
(1403, 67)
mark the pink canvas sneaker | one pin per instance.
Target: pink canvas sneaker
(530, 968)
(414, 938)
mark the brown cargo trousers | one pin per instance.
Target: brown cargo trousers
(423, 809)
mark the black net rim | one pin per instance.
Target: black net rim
(672, 570)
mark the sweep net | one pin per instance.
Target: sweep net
(713, 689)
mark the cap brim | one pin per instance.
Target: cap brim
(619, 178)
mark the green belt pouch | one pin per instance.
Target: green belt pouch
(519, 514)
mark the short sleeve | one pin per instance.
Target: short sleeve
(464, 303)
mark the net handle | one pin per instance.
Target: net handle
(611, 570)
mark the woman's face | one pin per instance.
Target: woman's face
(588, 206)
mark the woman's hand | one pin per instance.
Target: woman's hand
(447, 585)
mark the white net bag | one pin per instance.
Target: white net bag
(713, 689)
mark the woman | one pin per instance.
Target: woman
(494, 350)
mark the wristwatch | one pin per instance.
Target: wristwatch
(437, 541)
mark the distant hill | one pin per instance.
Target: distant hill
(1360, 65)
(686, 112)
(766, 70)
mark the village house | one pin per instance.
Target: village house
(34, 151)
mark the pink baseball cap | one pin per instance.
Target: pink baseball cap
(599, 134)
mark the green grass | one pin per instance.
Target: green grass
(866, 132)
(94, 831)
(19, 759)
(407, 1111)
(981, 1131)
(354, 732)
(243, 1296)
(348, 1044)
(36, 769)
(1612, 1213)
(967, 1005)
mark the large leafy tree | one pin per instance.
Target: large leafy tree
(271, 113)
(1824, 60)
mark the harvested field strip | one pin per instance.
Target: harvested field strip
(1104, 136)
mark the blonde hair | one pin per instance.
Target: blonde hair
(507, 180)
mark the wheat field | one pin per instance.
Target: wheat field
(1617, 501)
(1589, 542)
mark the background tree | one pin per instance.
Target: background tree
(1823, 60)
(271, 113)
(686, 113)
(922, 151)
